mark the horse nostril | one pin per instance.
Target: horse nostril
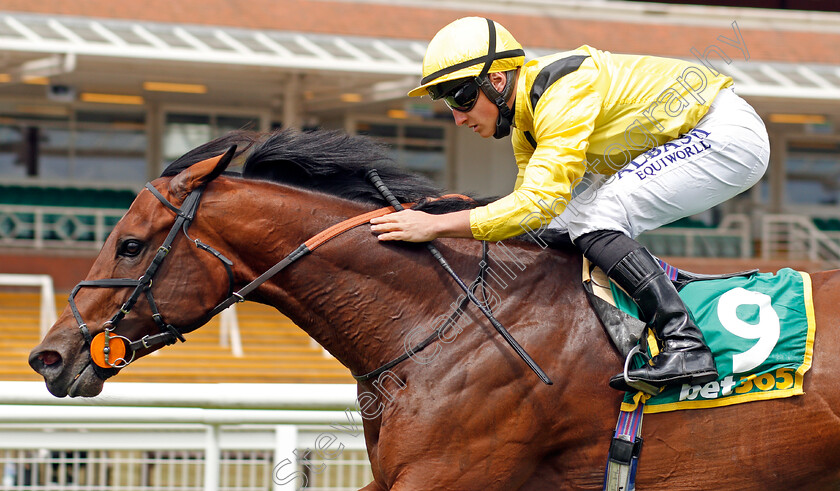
(44, 359)
(49, 358)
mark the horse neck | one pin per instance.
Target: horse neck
(352, 295)
(360, 299)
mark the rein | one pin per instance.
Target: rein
(453, 317)
(380, 186)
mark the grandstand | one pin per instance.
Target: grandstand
(21, 193)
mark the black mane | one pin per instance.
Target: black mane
(335, 163)
(331, 162)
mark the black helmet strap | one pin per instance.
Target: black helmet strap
(503, 122)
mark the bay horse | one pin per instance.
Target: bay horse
(465, 413)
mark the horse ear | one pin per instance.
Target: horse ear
(200, 173)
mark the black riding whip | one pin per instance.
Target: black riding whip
(380, 186)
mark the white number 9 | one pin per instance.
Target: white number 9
(767, 330)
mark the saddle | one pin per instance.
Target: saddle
(624, 330)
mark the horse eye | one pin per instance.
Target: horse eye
(130, 248)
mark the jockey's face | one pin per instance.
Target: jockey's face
(482, 117)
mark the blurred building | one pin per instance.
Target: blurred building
(97, 96)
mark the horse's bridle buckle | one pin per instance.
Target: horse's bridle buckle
(144, 341)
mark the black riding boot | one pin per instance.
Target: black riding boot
(684, 358)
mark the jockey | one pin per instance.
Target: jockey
(666, 138)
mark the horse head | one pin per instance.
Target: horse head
(146, 288)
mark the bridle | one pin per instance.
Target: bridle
(168, 334)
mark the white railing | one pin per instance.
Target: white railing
(796, 237)
(183, 436)
(53, 227)
(732, 238)
(45, 283)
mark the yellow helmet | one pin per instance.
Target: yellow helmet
(468, 47)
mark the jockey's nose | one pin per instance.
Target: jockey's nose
(460, 117)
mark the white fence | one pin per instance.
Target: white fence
(796, 237)
(183, 437)
(229, 331)
(732, 238)
(45, 227)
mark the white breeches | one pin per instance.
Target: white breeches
(724, 155)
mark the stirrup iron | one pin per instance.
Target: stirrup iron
(636, 383)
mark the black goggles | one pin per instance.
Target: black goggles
(459, 95)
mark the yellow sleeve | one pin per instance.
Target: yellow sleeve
(563, 121)
(522, 151)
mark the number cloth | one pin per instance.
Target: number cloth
(761, 331)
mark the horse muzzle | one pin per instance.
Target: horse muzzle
(66, 374)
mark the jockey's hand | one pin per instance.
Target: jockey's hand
(418, 226)
(408, 225)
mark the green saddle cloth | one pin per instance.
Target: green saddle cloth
(761, 331)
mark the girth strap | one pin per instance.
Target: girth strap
(625, 450)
